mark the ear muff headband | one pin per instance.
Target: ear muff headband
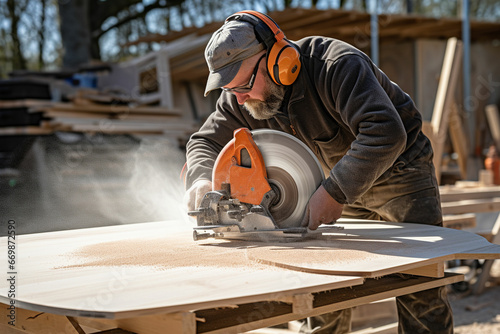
(277, 33)
(283, 59)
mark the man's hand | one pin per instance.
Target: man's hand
(321, 209)
(195, 194)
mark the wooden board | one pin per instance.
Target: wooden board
(445, 100)
(374, 249)
(141, 269)
(250, 316)
(493, 117)
(146, 269)
(472, 205)
(460, 222)
(25, 103)
(452, 193)
(112, 109)
(229, 320)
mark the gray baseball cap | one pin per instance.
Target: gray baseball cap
(232, 43)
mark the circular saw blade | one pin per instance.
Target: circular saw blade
(292, 170)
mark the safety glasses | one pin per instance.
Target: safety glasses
(248, 87)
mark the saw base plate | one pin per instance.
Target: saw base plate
(232, 232)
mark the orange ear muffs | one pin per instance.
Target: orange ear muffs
(283, 63)
(283, 59)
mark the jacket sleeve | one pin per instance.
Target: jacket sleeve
(353, 90)
(204, 145)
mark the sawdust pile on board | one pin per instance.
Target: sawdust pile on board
(161, 253)
(179, 250)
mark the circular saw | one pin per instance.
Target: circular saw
(262, 181)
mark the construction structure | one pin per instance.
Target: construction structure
(124, 278)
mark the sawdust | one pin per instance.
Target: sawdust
(179, 250)
(159, 253)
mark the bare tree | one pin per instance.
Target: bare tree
(84, 22)
(41, 35)
(75, 32)
(87, 25)
(409, 6)
(15, 9)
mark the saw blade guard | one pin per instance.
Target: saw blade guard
(240, 164)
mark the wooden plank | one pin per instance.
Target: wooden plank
(258, 315)
(25, 103)
(374, 249)
(432, 270)
(129, 128)
(459, 138)
(178, 322)
(130, 271)
(94, 108)
(473, 205)
(37, 322)
(480, 284)
(494, 123)
(11, 330)
(459, 222)
(133, 270)
(55, 114)
(450, 193)
(445, 99)
(244, 317)
(46, 323)
(301, 303)
(25, 130)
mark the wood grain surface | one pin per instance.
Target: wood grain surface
(141, 269)
(145, 269)
(374, 249)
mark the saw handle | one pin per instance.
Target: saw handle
(248, 184)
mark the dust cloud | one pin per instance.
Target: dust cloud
(69, 181)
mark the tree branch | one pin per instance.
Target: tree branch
(99, 32)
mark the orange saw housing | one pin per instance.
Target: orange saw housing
(247, 183)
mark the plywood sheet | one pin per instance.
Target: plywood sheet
(139, 269)
(373, 249)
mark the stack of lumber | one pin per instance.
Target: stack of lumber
(95, 112)
(22, 117)
(469, 197)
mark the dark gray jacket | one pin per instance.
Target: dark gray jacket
(345, 109)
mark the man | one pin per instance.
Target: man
(362, 127)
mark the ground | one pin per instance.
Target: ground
(70, 181)
(478, 314)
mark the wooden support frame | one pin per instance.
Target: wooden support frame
(452, 193)
(494, 123)
(144, 300)
(433, 270)
(258, 315)
(459, 222)
(480, 284)
(438, 128)
(28, 321)
(473, 205)
(458, 138)
(236, 319)
(47, 323)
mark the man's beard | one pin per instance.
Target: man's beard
(272, 101)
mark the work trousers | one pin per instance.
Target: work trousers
(408, 192)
